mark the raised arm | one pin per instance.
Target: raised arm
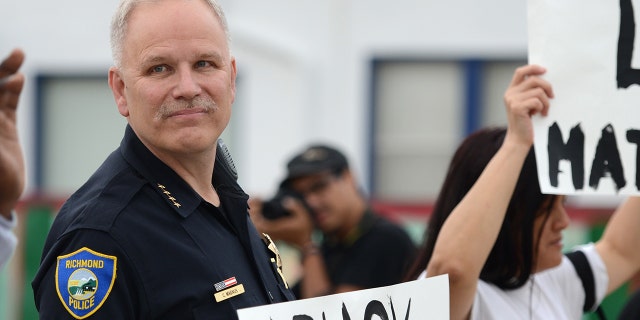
(11, 160)
(619, 244)
(470, 231)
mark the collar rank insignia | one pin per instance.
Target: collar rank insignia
(84, 280)
(169, 196)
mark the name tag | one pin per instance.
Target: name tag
(229, 293)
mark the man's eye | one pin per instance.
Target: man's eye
(202, 64)
(158, 69)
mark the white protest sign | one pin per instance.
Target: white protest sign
(420, 299)
(588, 144)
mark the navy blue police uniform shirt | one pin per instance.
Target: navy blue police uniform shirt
(136, 242)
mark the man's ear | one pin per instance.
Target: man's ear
(234, 73)
(117, 87)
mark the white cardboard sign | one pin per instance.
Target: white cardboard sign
(588, 144)
(420, 299)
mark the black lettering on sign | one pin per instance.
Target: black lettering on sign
(573, 151)
(345, 313)
(393, 311)
(607, 160)
(406, 317)
(305, 317)
(374, 308)
(626, 76)
(633, 136)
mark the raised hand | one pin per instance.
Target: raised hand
(527, 95)
(12, 169)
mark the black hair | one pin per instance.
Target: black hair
(512, 258)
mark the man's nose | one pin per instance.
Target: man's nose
(187, 86)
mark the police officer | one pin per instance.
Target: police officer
(161, 230)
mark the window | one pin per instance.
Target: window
(421, 109)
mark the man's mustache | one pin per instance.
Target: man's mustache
(169, 108)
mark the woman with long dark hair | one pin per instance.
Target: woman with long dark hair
(499, 238)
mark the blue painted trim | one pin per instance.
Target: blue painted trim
(473, 95)
(371, 133)
(38, 134)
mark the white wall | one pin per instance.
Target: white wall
(303, 64)
(326, 47)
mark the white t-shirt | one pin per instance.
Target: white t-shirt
(8, 240)
(556, 293)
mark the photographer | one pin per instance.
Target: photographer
(359, 248)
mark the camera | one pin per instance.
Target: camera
(273, 209)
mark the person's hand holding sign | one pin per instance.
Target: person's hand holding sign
(527, 95)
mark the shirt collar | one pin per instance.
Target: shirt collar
(172, 188)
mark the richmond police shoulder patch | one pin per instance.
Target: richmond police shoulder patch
(84, 279)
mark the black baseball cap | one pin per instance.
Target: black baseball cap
(315, 159)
